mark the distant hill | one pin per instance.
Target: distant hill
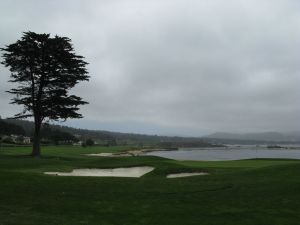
(144, 139)
(293, 137)
(102, 136)
(7, 128)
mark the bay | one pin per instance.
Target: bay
(229, 153)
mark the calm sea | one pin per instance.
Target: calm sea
(229, 153)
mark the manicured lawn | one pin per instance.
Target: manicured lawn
(241, 192)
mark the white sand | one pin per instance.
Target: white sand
(178, 175)
(116, 172)
(109, 154)
(101, 154)
(135, 152)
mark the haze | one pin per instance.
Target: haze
(173, 67)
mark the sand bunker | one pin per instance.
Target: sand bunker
(178, 175)
(116, 172)
(118, 154)
(109, 154)
(101, 154)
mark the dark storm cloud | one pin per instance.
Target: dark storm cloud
(175, 67)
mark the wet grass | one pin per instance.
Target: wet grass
(261, 191)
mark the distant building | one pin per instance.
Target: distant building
(18, 139)
(26, 140)
(78, 143)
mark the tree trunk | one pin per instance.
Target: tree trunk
(36, 148)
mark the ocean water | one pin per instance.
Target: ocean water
(229, 153)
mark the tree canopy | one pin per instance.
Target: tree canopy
(45, 70)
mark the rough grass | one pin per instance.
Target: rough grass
(236, 193)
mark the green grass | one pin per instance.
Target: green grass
(241, 192)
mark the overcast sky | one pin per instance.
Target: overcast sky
(174, 67)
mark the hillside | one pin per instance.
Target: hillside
(133, 138)
(102, 136)
(7, 128)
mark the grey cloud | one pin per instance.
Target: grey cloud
(178, 67)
